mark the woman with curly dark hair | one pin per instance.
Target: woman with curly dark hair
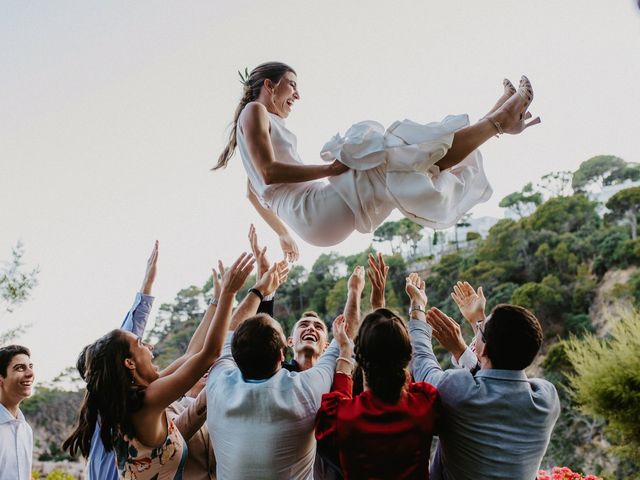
(386, 431)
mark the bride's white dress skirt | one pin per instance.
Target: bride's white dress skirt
(393, 168)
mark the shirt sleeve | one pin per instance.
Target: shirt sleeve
(468, 360)
(424, 364)
(319, 378)
(224, 362)
(136, 319)
(326, 420)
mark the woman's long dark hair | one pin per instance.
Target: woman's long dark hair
(273, 71)
(110, 396)
(383, 350)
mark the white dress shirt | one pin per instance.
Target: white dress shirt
(16, 446)
(265, 430)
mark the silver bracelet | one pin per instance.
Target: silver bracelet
(212, 301)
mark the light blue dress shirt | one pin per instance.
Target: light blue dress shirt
(102, 464)
(495, 425)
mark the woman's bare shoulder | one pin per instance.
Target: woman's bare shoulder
(254, 114)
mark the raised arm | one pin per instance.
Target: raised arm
(136, 319)
(265, 286)
(161, 392)
(197, 339)
(352, 307)
(377, 274)
(424, 364)
(288, 244)
(254, 123)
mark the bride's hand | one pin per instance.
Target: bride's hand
(336, 168)
(289, 248)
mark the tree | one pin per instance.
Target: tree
(557, 184)
(16, 285)
(596, 170)
(462, 223)
(399, 232)
(626, 205)
(523, 202)
(564, 214)
(631, 171)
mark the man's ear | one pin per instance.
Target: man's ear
(482, 352)
(290, 342)
(326, 345)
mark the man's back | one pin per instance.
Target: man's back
(494, 425)
(264, 429)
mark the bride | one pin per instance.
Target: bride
(432, 173)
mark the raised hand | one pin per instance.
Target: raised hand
(259, 253)
(150, 273)
(377, 274)
(356, 280)
(470, 302)
(415, 290)
(447, 332)
(339, 330)
(289, 248)
(217, 286)
(234, 278)
(269, 282)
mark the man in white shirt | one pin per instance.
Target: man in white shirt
(16, 437)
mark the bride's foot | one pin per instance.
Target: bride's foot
(509, 90)
(510, 117)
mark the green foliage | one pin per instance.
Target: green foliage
(522, 202)
(543, 299)
(16, 285)
(51, 411)
(471, 236)
(564, 214)
(398, 233)
(596, 169)
(625, 205)
(53, 475)
(607, 381)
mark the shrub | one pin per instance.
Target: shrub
(607, 381)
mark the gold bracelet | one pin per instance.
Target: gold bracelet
(348, 360)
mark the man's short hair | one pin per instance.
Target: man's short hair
(309, 313)
(7, 353)
(513, 337)
(256, 347)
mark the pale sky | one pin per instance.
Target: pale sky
(113, 112)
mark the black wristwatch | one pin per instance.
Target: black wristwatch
(257, 292)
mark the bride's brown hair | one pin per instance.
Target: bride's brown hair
(273, 71)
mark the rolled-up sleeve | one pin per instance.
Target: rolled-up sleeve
(136, 319)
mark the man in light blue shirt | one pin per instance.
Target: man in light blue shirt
(496, 424)
(16, 437)
(102, 464)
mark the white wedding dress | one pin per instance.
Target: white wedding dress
(388, 169)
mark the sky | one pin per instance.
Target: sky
(113, 112)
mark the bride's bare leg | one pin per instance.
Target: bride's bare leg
(465, 141)
(508, 118)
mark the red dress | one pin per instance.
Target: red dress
(375, 439)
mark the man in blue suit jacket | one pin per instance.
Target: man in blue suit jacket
(496, 424)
